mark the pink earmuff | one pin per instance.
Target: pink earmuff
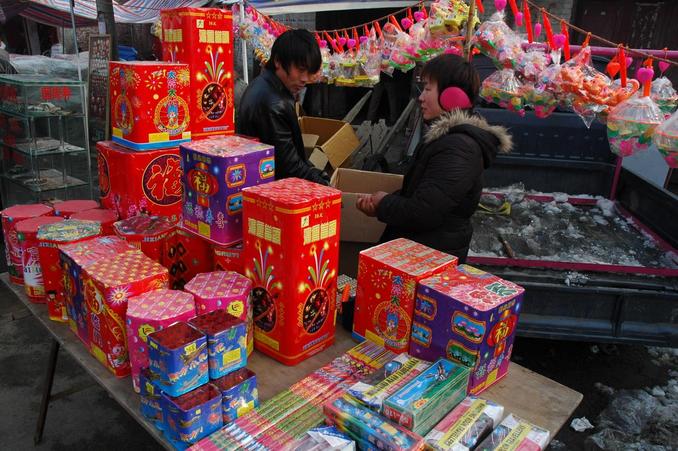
(454, 97)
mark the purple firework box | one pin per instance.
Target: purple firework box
(468, 316)
(215, 171)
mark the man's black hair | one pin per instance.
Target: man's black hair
(449, 70)
(297, 47)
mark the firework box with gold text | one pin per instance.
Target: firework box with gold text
(108, 284)
(149, 104)
(203, 39)
(294, 304)
(470, 317)
(387, 278)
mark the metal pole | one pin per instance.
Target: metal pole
(469, 30)
(245, 75)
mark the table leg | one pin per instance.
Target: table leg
(46, 391)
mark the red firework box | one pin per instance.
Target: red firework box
(229, 258)
(149, 104)
(202, 38)
(27, 235)
(104, 217)
(10, 217)
(215, 172)
(147, 233)
(75, 257)
(224, 290)
(385, 297)
(68, 208)
(294, 304)
(470, 317)
(133, 183)
(107, 285)
(50, 236)
(186, 256)
(148, 312)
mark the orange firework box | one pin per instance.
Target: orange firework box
(107, 284)
(294, 304)
(149, 107)
(133, 183)
(387, 280)
(203, 39)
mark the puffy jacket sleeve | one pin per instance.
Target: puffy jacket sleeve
(451, 171)
(278, 128)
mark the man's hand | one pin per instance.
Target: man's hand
(368, 203)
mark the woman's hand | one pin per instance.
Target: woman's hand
(368, 203)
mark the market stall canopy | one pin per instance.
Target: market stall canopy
(57, 12)
(308, 6)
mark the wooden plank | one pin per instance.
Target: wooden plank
(529, 395)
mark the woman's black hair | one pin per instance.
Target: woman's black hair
(449, 70)
(297, 47)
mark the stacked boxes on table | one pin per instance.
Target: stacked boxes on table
(294, 305)
(468, 316)
(74, 258)
(215, 172)
(149, 104)
(147, 233)
(202, 38)
(224, 290)
(10, 217)
(50, 236)
(148, 312)
(385, 298)
(107, 285)
(133, 183)
(27, 234)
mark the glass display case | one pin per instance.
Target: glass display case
(45, 150)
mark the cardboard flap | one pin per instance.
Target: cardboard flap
(310, 141)
(335, 138)
(355, 181)
(318, 159)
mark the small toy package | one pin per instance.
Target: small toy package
(666, 139)
(631, 125)
(504, 89)
(515, 434)
(178, 355)
(465, 426)
(239, 393)
(427, 398)
(226, 341)
(498, 42)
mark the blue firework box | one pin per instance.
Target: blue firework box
(226, 341)
(239, 393)
(215, 171)
(150, 395)
(193, 415)
(178, 355)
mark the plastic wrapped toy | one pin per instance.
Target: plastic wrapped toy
(542, 101)
(631, 124)
(533, 62)
(498, 42)
(666, 139)
(664, 95)
(504, 89)
(400, 41)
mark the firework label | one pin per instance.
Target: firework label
(387, 278)
(294, 305)
(149, 104)
(468, 316)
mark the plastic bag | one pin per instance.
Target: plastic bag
(498, 42)
(664, 95)
(542, 101)
(666, 139)
(504, 89)
(533, 62)
(631, 124)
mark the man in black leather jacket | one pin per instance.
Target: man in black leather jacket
(267, 109)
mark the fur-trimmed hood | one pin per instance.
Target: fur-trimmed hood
(475, 126)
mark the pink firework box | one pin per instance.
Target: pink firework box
(387, 278)
(50, 236)
(75, 257)
(104, 217)
(216, 170)
(224, 290)
(148, 312)
(147, 233)
(68, 208)
(108, 284)
(470, 317)
(10, 217)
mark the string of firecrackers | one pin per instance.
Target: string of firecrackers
(357, 55)
(637, 110)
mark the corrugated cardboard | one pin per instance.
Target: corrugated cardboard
(355, 225)
(309, 142)
(336, 139)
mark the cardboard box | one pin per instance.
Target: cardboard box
(356, 225)
(470, 317)
(149, 104)
(335, 144)
(294, 305)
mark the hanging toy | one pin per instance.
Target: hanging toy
(498, 42)
(666, 139)
(664, 95)
(533, 62)
(631, 124)
(504, 89)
